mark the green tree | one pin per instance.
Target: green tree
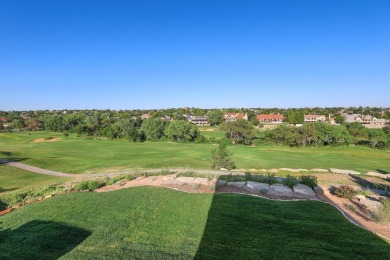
(181, 131)
(339, 119)
(295, 117)
(284, 134)
(306, 135)
(377, 137)
(240, 131)
(1, 125)
(222, 158)
(17, 124)
(215, 117)
(153, 128)
(358, 131)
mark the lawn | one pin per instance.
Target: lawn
(156, 223)
(211, 131)
(77, 155)
(12, 178)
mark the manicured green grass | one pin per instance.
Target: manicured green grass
(76, 155)
(211, 131)
(12, 178)
(158, 223)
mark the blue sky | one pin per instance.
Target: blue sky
(59, 54)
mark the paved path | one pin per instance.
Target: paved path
(62, 174)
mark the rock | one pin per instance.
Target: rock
(273, 170)
(238, 184)
(376, 174)
(319, 170)
(303, 189)
(367, 203)
(185, 179)
(318, 190)
(223, 169)
(280, 188)
(221, 183)
(252, 170)
(257, 185)
(293, 170)
(388, 176)
(333, 170)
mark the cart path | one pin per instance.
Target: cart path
(34, 169)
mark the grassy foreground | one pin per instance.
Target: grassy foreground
(155, 223)
(12, 178)
(76, 155)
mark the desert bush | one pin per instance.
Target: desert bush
(345, 191)
(351, 207)
(290, 182)
(271, 179)
(386, 208)
(18, 197)
(87, 185)
(308, 180)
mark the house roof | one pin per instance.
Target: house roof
(270, 117)
(236, 115)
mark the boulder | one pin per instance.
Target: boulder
(238, 184)
(221, 183)
(257, 185)
(223, 169)
(376, 174)
(273, 170)
(333, 170)
(303, 189)
(281, 188)
(293, 170)
(318, 190)
(319, 170)
(371, 205)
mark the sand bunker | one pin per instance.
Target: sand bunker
(43, 140)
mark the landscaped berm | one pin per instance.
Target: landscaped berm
(161, 223)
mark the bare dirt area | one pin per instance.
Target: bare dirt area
(358, 216)
(361, 180)
(43, 140)
(186, 184)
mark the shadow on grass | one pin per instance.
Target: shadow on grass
(40, 240)
(382, 171)
(245, 227)
(378, 188)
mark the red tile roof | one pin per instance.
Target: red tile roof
(270, 117)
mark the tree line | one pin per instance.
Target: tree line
(311, 134)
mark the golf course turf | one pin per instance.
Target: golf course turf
(153, 223)
(78, 155)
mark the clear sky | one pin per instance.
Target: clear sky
(59, 54)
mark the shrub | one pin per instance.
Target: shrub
(386, 208)
(345, 191)
(248, 176)
(351, 207)
(270, 179)
(290, 182)
(310, 181)
(87, 185)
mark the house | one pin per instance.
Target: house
(4, 119)
(352, 118)
(198, 120)
(314, 118)
(231, 117)
(270, 118)
(145, 116)
(366, 120)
